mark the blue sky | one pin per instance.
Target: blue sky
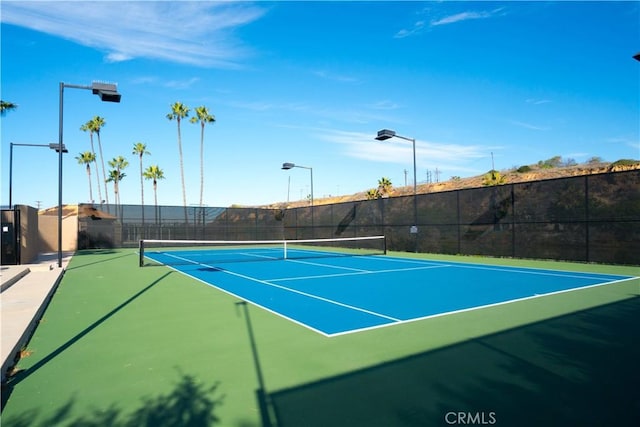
(311, 83)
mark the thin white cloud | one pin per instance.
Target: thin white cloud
(416, 29)
(428, 154)
(171, 84)
(196, 33)
(534, 101)
(528, 125)
(421, 25)
(459, 17)
(181, 84)
(270, 106)
(359, 116)
(384, 105)
(335, 77)
(635, 144)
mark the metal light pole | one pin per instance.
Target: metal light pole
(287, 166)
(13, 144)
(108, 93)
(385, 134)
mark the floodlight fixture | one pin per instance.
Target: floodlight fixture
(56, 147)
(385, 134)
(108, 92)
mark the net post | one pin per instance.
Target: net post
(285, 249)
(141, 253)
(384, 244)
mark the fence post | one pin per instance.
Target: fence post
(513, 221)
(459, 227)
(586, 217)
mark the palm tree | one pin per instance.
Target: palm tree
(141, 149)
(115, 175)
(202, 116)
(88, 128)
(7, 106)
(493, 177)
(155, 173)
(96, 124)
(87, 158)
(384, 186)
(178, 112)
(373, 194)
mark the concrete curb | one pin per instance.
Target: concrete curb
(23, 305)
(10, 276)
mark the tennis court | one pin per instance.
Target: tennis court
(341, 286)
(122, 345)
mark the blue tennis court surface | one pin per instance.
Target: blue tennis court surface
(337, 295)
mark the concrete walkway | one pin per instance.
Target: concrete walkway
(25, 293)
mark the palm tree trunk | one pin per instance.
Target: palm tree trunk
(155, 197)
(104, 174)
(97, 169)
(201, 162)
(90, 189)
(184, 190)
(155, 200)
(142, 194)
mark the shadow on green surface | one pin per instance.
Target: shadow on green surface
(101, 252)
(20, 375)
(188, 404)
(577, 369)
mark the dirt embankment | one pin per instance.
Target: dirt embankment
(511, 176)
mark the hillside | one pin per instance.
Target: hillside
(540, 171)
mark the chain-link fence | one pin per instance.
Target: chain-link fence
(593, 218)
(124, 226)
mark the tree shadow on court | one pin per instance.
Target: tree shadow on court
(577, 369)
(102, 252)
(17, 376)
(190, 404)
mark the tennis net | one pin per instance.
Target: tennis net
(176, 252)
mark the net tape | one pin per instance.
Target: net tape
(377, 243)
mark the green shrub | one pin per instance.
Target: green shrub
(625, 162)
(524, 169)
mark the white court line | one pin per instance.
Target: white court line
(326, 265)
(222, 255)
(508, 269)
(357, 273)
(264, 282)
(228, 292)
(480, 307)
